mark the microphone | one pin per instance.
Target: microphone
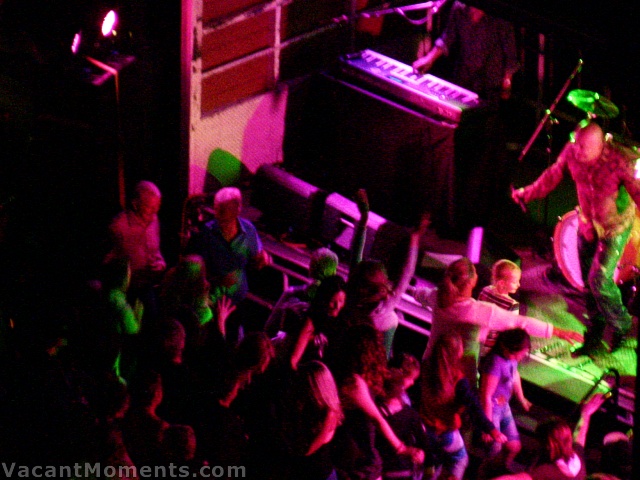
(519, 201)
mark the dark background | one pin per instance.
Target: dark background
(59, 143)
(58, 169)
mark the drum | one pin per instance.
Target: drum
(565, 249)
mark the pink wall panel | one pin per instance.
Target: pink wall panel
(231, 85)
(238, 40)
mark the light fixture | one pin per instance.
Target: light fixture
(109, 23)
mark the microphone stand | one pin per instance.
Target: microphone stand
(550, 111)
(548, 121)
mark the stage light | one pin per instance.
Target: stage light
(474, 245)
(77, 41)
(97, 30)
(109, 23)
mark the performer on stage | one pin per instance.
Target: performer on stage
(485, 56)
(605, 181)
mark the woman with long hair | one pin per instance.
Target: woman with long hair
(314, 414)
(306, 337)
(360, 367)
(445, 394)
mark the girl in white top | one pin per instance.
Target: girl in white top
(371, 297)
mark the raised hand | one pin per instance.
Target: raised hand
(362, 201)
(592, 405)
(224, 308)
(425, 223)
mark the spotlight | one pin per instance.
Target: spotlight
(109, 23)
(97, 31)
(77, 41)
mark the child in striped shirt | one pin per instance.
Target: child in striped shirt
(505, 281)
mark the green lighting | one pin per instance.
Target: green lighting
(224, 166)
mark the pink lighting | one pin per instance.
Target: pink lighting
(109, 23)
(75, 45)
(474, 245)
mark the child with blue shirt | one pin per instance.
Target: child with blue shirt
(499, 381)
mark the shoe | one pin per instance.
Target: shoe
(618, 341)
(589, 349)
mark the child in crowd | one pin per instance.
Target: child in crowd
(406, 422)
(410, 368)
(499, 380)
(505, 281)
(445, 394)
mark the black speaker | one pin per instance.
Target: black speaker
(288, 204)
(342, 137)
(385, 241)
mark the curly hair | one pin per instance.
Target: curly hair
(362, 353)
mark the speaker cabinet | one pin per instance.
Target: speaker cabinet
(288, 204)
(385, 240)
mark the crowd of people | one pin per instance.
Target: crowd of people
(151, 370)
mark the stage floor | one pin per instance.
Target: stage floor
(549, 296)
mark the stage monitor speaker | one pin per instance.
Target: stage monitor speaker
(288, 204)
(385, 240)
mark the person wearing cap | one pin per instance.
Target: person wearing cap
(295, 299)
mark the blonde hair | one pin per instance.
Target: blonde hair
(322, 387)
(457, 277)
(556, 438)
(501, 268)
(324, 263)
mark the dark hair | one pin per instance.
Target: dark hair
(405, 362)
(617, 459)
(184, 284)
(512, 341)
(325, 292)
(362, 352)
(442, 370)
(114, 272)
(394, 384)
(361, 286)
